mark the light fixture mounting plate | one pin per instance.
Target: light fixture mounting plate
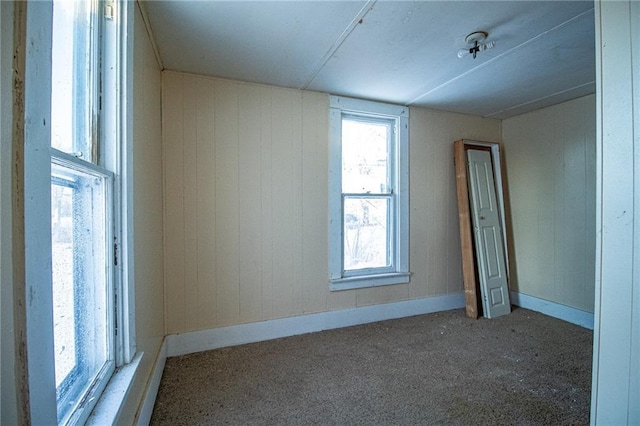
(476, 37)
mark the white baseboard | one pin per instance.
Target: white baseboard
(149, 399)
(556, 310)
(196, 341)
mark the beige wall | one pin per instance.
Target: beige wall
(147, 187)
(435, 230)
(246, 172)
(550, 164)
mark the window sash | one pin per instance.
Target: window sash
(76, 395)
(390, 236)
(390, 123)
(75, 78)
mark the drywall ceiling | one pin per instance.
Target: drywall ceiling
(403, 52)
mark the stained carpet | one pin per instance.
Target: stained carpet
(524, 368)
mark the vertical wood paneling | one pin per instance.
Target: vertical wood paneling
(190, 197)
(266, 214)
(283, 203)
(148, 196)
(382, 294)
(574, 220)
(419, 201)
(557, 181)
(550, 157)
(227, 221)
(148, 214)
(589, 127)
(250, 187)
(340, 299)
(296, 208)
(435, 261)
(438, 214)
(172, 129)
(206, 205)
(548, 217)
(246, 204)
(314, 202)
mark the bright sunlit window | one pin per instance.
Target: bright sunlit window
(84, 232)
(368, 194)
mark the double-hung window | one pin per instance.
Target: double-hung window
(368, 200)
(85, 231)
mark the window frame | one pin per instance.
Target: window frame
(398, 272)
(116, 125)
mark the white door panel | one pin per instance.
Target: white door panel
(488, 235)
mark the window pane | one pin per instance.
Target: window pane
(80, 308)
(365, 158)
(366, 236)
(73, 80)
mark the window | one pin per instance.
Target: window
(368, 200)
(87, 285)
(82, 285)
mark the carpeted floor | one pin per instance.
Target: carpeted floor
(524, 368)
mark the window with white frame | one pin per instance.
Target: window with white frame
(368, 199)
(87, 285)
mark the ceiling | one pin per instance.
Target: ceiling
(403, 52)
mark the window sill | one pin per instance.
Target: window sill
(107, 410)
(363, 281)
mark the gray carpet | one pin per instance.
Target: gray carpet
(524, 369)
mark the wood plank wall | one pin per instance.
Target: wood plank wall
(246, 182)
(147, 214)
(550, 170)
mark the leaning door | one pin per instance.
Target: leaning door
(488, 235)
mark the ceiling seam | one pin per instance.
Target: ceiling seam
(542, 98)
(357, 20)
(147, 25)
(520, 46)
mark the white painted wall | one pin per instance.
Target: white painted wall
(246, 217)
(147, 214)
(616, 352)
(550, 172)
(8, 407)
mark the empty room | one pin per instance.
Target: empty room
(258, 212)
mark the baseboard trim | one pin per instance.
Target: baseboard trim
(196, 341)
(556, 310)
(149, 399)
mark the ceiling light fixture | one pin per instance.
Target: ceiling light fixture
(474, 40)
